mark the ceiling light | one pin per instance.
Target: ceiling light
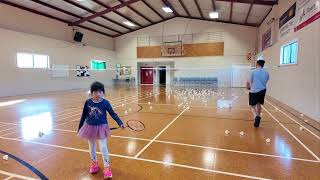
(167, 9)
(128, 23)
(214, 15)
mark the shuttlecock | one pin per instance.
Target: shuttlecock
(301, 115)
(5, 157)
(149, 103)
(241, 133)
(41, 134)
(268, 140)
(150, 107)
(227, 132)
(301, 128)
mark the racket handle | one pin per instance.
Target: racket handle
(113, 128)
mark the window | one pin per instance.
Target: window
(26, 60)
(289, 53)
(98, 65)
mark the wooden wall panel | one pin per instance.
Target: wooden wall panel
(191, 50)
(149, 52)
(203, 49)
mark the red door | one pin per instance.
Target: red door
(146, 74)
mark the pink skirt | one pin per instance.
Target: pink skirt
(93, 132)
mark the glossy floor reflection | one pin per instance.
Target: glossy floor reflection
(185, 136)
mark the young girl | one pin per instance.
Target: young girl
(94, 126)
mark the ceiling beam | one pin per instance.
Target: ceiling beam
(265, 17)
(184, 7)
(98, 14)
(221, 21)
(260, 2)
(137, 12)
(214, 6)
(91, 11)
(199, 9)
(249, 11)
(52, 17)
(116, 12)
(168, 4)
(231, 10)
(74, 15)
(154, 10)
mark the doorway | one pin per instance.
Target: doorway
(162, 75)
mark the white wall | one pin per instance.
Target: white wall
(238, 41)
(297, 86)
(15, 19)
(22, 31)
(16, 81)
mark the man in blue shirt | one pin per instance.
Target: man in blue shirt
(257, 84)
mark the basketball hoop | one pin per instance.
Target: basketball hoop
(172, 49)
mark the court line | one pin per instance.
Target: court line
(165, 128)
(297, 139)
(294, 120)
(3, 125)
(7, 129)
(207, 107)
(25, 164)
(202, 147)
(145, 160)
(11, 175)
(76, 112)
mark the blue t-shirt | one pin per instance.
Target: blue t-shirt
(258, 79)
(95, 113)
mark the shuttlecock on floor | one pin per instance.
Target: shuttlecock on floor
(227, 132)
(41, 134)
(301, 128)
(5, 157)
(268, 140)
(241, 133)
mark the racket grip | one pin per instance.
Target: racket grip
(113, 128)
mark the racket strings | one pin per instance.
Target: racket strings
(135, 125)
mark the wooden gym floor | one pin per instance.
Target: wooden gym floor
(181, 141)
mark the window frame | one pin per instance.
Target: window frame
(33, 65)
(282, 51)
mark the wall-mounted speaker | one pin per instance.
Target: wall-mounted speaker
(78, 36)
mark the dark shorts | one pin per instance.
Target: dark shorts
(255, 98)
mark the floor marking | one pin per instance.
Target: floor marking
(145, 160)
(294, 120)
(8, 129)
(203, 147)
(165, 128)
(16, 175)
(206, 107)
(297, 139)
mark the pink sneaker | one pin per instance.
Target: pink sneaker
(94, 168)
(107, 173)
